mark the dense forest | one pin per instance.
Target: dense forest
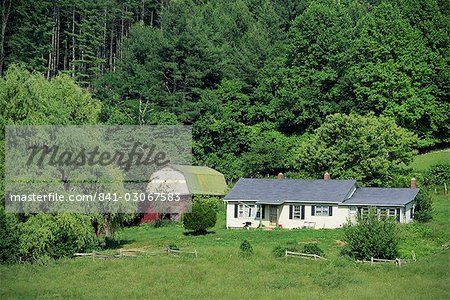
(257, 79)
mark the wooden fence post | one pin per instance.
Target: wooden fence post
(371, 261)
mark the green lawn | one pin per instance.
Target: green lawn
(424, 161)
(219, 271)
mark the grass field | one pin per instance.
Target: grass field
(422, 162)
(219, 272)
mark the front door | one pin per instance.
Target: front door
(273, 215)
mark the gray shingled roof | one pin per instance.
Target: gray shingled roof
(274, 191)
(382, 196)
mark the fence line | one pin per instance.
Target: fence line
(128, 253)
(396, 261)
(179, 251)
(302, 255)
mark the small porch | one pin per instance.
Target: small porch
(254, 215)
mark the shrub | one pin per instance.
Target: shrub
(213, 202)
(162, 223)
(372, 236)
(173, 247)
(279, 251)
(9, 237)
(45, 236)
(313, 249)
(438, 174)
(424, 207)
(246, 249)
(202, 217)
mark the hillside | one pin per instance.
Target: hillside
(424, 161)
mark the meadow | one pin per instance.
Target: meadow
(422, 162)
(220, 272)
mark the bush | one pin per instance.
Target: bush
(213, 202)
(159, 223)
(246, 249)
(312, 249)
(45, 236)
(372, 236)
(279, 251)
(173, 247)
(424, 207)
(9, 237)
(438, 174)
(202, 217)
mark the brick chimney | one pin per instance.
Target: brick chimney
(413, 183)
(326, 176)
(280, 176)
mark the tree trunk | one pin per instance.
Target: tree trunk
(122, 34)
(58, 30)
(108, 226)
(6, 11)
(73, 42)
(105, 41)
(160, 15)
(111, 47)
(151, 18)
(51, 52)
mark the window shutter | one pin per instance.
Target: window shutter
(303, 213)
(236, 207)
(330, 210)
(313, 208)
(263, 211)
(398, 215)
(291, 212)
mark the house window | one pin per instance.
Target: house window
(247, 211)
(387, 212)
(383, 212)
(322, 211)
(258, 211)
(297, 212)
(392, 212)
(363, 211)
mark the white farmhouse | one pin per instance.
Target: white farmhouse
(293, 203)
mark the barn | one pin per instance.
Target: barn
(185, 180)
